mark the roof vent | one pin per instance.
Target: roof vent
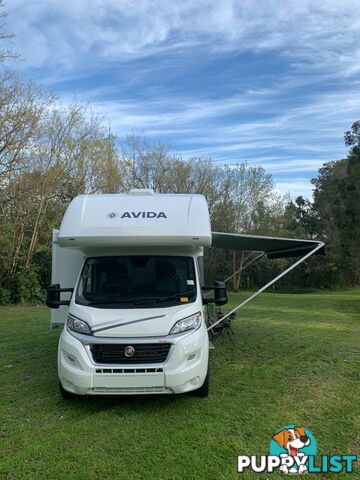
(141, 191)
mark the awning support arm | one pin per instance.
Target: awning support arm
(244, 266)
(240, 269)
(285, 272)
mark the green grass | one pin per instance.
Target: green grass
(293, 359)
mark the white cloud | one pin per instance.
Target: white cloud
(295, 142)
(274, 123)
(73, 32)
(295, 188)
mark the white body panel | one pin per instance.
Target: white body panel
(136, 220)
(66, 265)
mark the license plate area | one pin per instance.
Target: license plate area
(129, 380)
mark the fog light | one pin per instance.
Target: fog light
(68, 384)
(195, 381)
(191, 357)
(71, 359)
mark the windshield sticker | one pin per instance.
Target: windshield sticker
(190, 282)
(184, 299)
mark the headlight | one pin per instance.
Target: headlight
(77, 325)
(186, 324)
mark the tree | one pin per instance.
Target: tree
(5, 36)
(337, 190)
(300, 219)
(352, 137)
(147, 165)
(251, 194)
(22, 105)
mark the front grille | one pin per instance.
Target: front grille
(126, 371)
(115, 353)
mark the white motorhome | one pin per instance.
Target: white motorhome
(131, 266)
(135, 321)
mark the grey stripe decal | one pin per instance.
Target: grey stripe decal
(126, 323)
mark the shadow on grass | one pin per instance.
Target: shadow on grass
(141, 402)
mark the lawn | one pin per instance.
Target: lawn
(293, 359)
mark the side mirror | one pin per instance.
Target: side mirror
(220, 294)
(53, 296)
(221, 297)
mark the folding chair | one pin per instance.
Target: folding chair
(214, 313)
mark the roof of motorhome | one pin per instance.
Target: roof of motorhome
(140, 218)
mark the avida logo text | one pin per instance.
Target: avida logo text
(143, 215)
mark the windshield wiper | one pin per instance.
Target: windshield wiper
(133, 301)
(110, 302)
(165, 299)
(139, 301)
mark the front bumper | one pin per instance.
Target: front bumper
(184, 370)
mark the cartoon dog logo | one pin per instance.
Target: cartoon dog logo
(292, 439)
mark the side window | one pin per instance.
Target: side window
(200, 264)
(87, 277)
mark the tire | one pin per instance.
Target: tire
(65, 394)
(203, 391)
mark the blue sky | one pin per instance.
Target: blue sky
(270, 82)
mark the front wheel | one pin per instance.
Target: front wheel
(203, 391)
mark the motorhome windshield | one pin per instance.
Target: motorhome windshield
(137, 281)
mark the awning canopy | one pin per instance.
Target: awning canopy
(274, 247)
